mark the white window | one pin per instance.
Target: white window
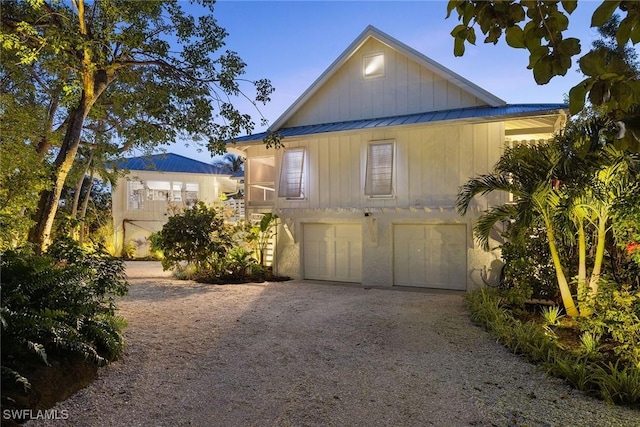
(177, 191)
(261, 180)
(158, 190)
(291, 182)
(379, 172)
(191, 192)
(373, 66)
(135, 191)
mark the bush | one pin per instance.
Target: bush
(616, 317)
(59, 303)
(528, 267)
(197, 235)
(616, 382)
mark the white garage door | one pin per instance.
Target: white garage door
(430, 255)
(332, 252)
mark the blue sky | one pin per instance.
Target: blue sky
(293, 42)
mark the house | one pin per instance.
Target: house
(375, 152)
(153, 186)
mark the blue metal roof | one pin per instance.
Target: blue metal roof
(505, 111)
(170, 162)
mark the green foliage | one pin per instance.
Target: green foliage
(615, 382)
(264, 232)
(552, 314)
(21, 179)
(60, 302)
(239, 262)
(198, 235)
(528, 266)
(618, 384)
(135, 74)
(616, 315)
(128, 251)
(611, 79)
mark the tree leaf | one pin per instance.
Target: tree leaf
(458, 46)
(537, 54)
(471, 36)
(624, 31)
(577, 96)
(452, 5)
(593, 63)
(543, 70)
(569, 5)
(603, 13)
(515, 37)
(597, 93)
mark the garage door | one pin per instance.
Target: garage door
(430, 255)
(332, 252)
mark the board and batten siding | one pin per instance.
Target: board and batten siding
(407, 87)
(431, 163)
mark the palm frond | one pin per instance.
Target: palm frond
(480, 186)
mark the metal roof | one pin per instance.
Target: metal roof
(505, 111)
(170, 162)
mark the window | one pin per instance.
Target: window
(373, 66)
(379, 172)
(191, 193)
(135, 191)
(158, 190)
(261, 180)
(291, 182)
(177, 191)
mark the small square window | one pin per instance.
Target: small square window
(373, 66)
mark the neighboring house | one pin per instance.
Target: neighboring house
(376, 150)
(155, 185)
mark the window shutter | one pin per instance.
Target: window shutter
(379, 170)
(291, 174)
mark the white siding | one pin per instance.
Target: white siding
(431, 163)
(407, 87)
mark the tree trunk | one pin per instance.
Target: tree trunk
(582, 269)
(40, 234)
(85, 204)
(565, 291)
(597, 262)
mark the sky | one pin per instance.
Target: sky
(293, 42)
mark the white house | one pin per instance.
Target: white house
(376, 150)
(153, 186)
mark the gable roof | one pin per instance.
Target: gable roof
(170, 162)
(372, 32)
(469, 113)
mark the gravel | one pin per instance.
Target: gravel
(316, 354)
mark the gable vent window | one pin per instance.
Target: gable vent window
(379, 174)
(291, 182)
(374, 66)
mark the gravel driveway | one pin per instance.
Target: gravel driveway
(316, 354)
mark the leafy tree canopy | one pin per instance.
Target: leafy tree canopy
(539, 26)
(141, 73)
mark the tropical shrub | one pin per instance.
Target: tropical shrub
(62, 302)
(528, 266)
(584, 359)
(616, 316)
(197, 235)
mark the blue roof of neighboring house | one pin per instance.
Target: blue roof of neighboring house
(170, 162)
(510, 110)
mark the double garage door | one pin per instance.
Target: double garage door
(424, 255)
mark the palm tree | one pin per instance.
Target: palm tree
(231, 163)
(528, 173)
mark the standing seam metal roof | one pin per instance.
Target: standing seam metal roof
(170, 162)
(509, 110)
